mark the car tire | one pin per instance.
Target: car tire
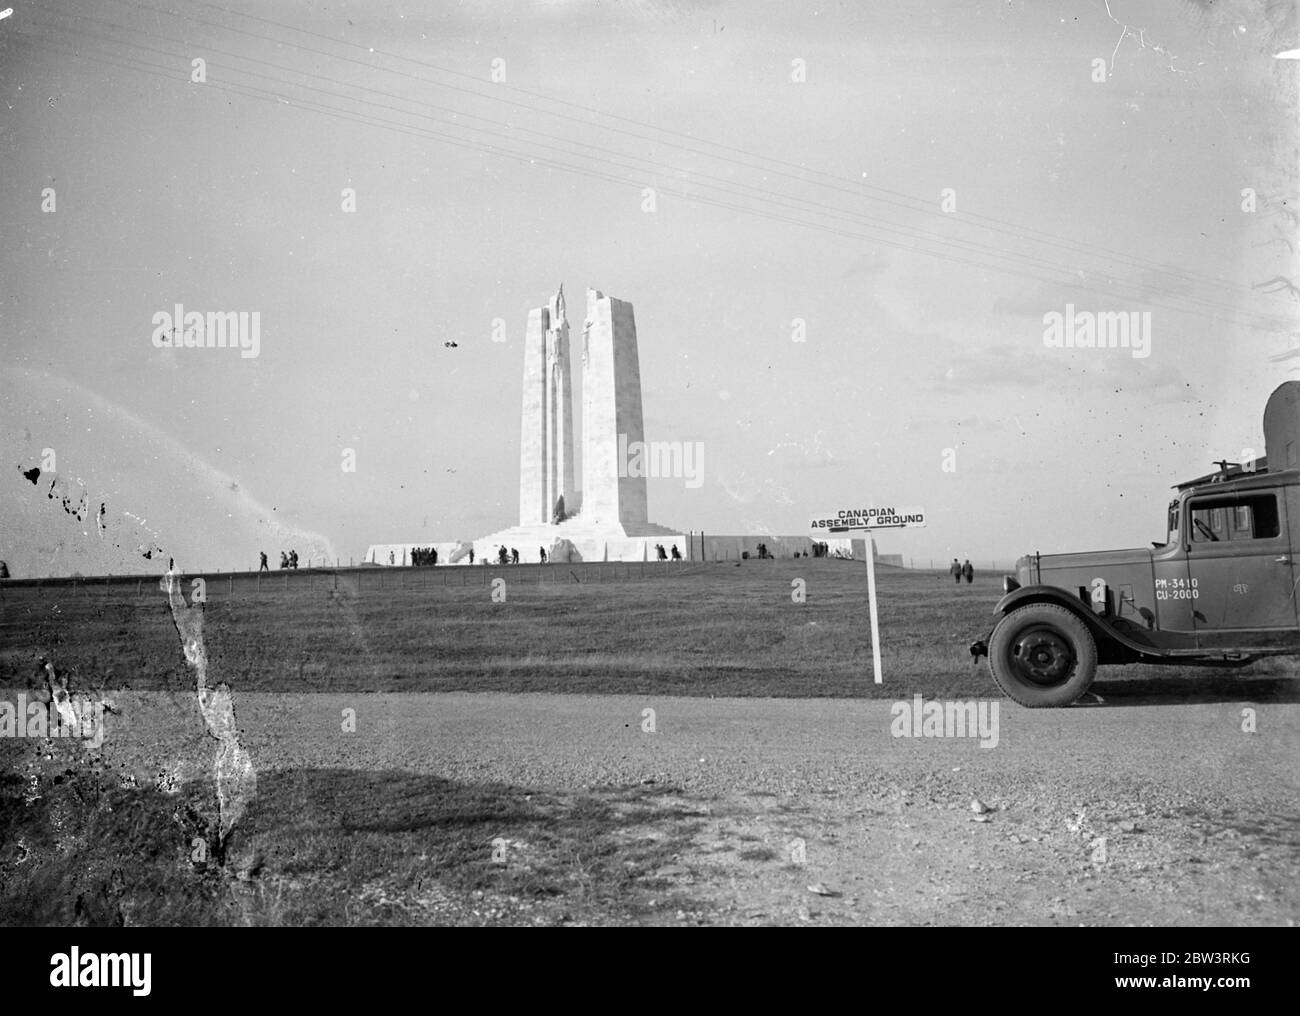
(1042, 656)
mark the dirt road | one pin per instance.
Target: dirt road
(1141, 815)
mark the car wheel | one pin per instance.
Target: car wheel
(1042, 656)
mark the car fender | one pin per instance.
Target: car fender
(1102, 630)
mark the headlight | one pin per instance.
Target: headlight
(1009, 584)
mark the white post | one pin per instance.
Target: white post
(871, 595)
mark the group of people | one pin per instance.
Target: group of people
(289, 560)
(428, 556)
(663, 554)
(960, 571)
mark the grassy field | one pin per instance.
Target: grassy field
(337, 846)
(722, 630)
(327, 847)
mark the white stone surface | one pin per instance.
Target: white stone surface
(546, 446)
(609, 518)
(611, 407)
(727, 547)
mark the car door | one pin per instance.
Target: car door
(1169, 571)
(1242, 577)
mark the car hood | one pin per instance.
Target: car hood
(1050, 568)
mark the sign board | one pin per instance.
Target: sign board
(862, 520)
(869, 520)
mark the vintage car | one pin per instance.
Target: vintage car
(1220, 591)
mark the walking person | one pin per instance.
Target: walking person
(955, 571)
(263, 567)
(542, 552)
(969, 571)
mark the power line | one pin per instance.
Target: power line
(726, 186)
(817, 210)
(915, 205)
(167, 73)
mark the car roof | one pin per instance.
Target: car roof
(1244, 482)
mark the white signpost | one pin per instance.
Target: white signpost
(867, 521)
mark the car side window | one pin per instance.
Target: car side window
(1243, 517)
(1263, 516)
(1242, 526)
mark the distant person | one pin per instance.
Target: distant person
(284, 559)
(542, 553)
(954, 570)
(392, 557)
(502, 555)
(4, 568)
(659, 550)
(293, 559)
(514, 556)
(677, 554)
(471, 555)
(263, 567)
(969, 571)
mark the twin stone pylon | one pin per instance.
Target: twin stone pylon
(546, 431)
(607, 499)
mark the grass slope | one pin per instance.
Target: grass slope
(704, 630)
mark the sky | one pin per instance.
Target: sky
(842, 227)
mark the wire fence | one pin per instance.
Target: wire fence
(376, 579)
(356, 581)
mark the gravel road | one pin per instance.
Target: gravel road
(1141, 815)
